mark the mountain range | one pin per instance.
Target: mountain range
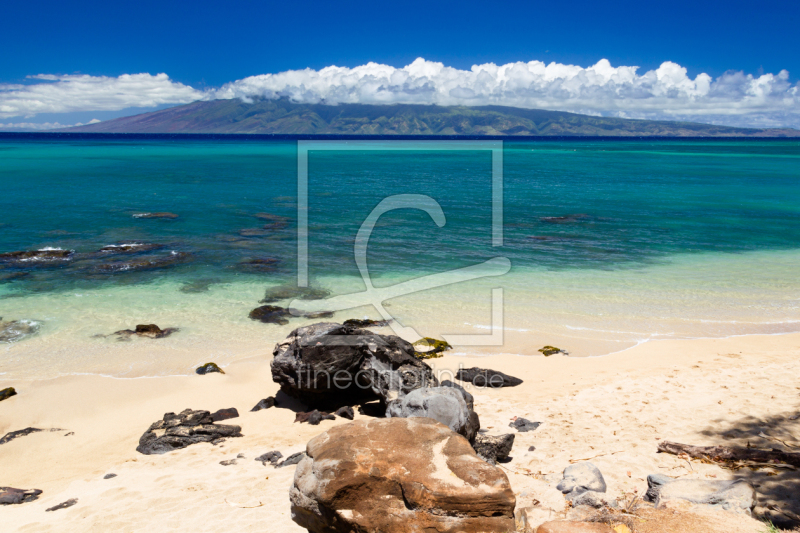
(282, 116)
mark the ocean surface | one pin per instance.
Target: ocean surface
(610, 243)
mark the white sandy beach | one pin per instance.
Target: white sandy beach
(612, 410)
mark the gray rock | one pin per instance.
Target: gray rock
(443, 404)
(467, 396)
(266, 403)
(590, 498)
(345, 412)
(270, 457)
(482, 377)
(62, 505)
(208, 368)
(179, 431)
(228, 462)
(493, 448)
(734, 495)
(292, 460)
(331, 364)
(12, 496)
(109, 476)
(580, 478)
(523, 424)
(313, 417)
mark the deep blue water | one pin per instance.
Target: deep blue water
(569, 204)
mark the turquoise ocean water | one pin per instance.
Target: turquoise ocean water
(611, 243)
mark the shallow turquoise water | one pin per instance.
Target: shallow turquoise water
(647, 239)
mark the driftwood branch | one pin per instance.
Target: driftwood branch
(733, 457)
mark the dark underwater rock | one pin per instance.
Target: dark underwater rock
(8, 277)
(130, 248)
(208, 368)
(144, 263)
(179, 431)
(567, 219)
(328, 363)
(293, 292)
(274, 222)
(482, 377)
(12, 496)
(271, 314)
(162, 215)
(32, 257)
(7, 393)
(16, 330)
(263, 264)
(198, 285)
(151, 331)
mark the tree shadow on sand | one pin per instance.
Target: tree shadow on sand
(778, 488)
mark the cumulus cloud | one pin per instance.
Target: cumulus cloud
(601, 89)
(62, 94)
(666, 93)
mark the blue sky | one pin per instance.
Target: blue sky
(205, 45)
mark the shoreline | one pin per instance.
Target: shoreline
(107, 416)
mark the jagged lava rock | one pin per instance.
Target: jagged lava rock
(493, 448)
(328, 363)
(179, 431)
(401, 475)
(12, 496)
(266, 403)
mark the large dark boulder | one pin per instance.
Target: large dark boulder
(179, 431)
(329, 364)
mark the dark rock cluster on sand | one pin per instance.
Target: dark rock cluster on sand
(179, 431)
(332, 364)
(523, 425)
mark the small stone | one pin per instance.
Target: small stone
(109, 476)
(7, 393)
(208, 368)
(229, 462)
(270, 457)
(225, 414)
(63, 505)
(266, 403)
(345, 412)
(550, 350)
(292, 460)
(313, 417)
(523, 425)
(532, 449)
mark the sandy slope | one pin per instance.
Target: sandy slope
(612, 410)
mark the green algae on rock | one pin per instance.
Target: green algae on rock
(209, 368)
(551, 350)
(431, 348)
(7, 393)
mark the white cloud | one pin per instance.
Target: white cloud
(62, 94)
(665, 93)
(41, 126)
